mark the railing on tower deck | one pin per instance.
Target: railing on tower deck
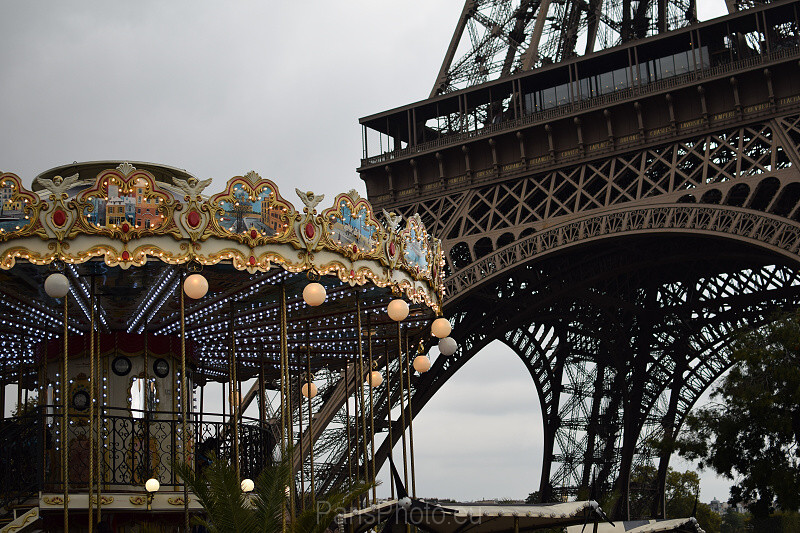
(135, 447)
(589, 103)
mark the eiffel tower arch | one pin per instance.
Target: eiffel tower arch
(617, 188)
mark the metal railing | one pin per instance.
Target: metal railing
(590, 103)
(133, 449)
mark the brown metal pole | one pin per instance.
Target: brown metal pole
(234, 395)
(402, 401)
(360, 382)
(410, 420)
(389, 417)
(284, 391)
(65, 417)
(92, 383)
(99, 470)
(184, 407)
(347, 423)
(310, 426)
(371, 415)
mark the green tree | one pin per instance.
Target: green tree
(751, 432)
(733, 522)
(228, 509)
(681, 491)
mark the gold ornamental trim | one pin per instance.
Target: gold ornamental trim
(126, 217)
(178, 500)
(104, 500)
(137, 500)
(55, 500)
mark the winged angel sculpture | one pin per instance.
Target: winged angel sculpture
(58, 186)
(192, 187)
(309, 198)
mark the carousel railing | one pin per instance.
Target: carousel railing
(135, 446)
(20, 468)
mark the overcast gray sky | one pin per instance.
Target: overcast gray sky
(277, 87)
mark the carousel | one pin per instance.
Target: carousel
(145, 323)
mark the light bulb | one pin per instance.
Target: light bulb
(195, 286)
(422, 363)
(314, 294)
(56, 285)
(375, 379)
(397, 309)
(441, 328)
(448, 346)
(309, 390)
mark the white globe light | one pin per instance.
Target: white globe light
(56, 285)
(422, 363)
(248, 485)
(309, 390)
(397, 309)
(404, 503)
(314, 294)
(195, 286)
(448, 346)
(441, 328)
(152, 485)
(375, 379)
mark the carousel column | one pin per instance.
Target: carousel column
(65, 417)
(347, 422)
(402, 402)
(285, 414)
(410, 419)
(194, 286)
(389, 416)
(99, 413)
(184, 410)
(57, 286)
(310, 424)
(44, 403)
(233, 394)
(372, 384)
(92, 381)
(360, 382)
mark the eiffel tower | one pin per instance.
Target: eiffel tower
(617, 188)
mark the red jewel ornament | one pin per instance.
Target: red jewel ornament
(125, 255)
(352, 274)
(310, 230)
(253, 234)
(392, 249)
(252, 261)
(59, 217)
(193, 219)
(125, 227)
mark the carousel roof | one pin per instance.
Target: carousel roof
(131, 230)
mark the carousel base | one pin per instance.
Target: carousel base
(121, 511)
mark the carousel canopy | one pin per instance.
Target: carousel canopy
(129, 233)
(474, 518)
(670, 525)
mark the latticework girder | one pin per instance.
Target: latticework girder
(496, 38)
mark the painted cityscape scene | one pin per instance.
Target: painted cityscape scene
(136, 207)
(349, 229)
(244, 213)
(12, 210)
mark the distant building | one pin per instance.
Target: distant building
(271, 216)
(146, 215)
(7, 202)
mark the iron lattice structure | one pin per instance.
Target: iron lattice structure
(617, 220)
(496, 38)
